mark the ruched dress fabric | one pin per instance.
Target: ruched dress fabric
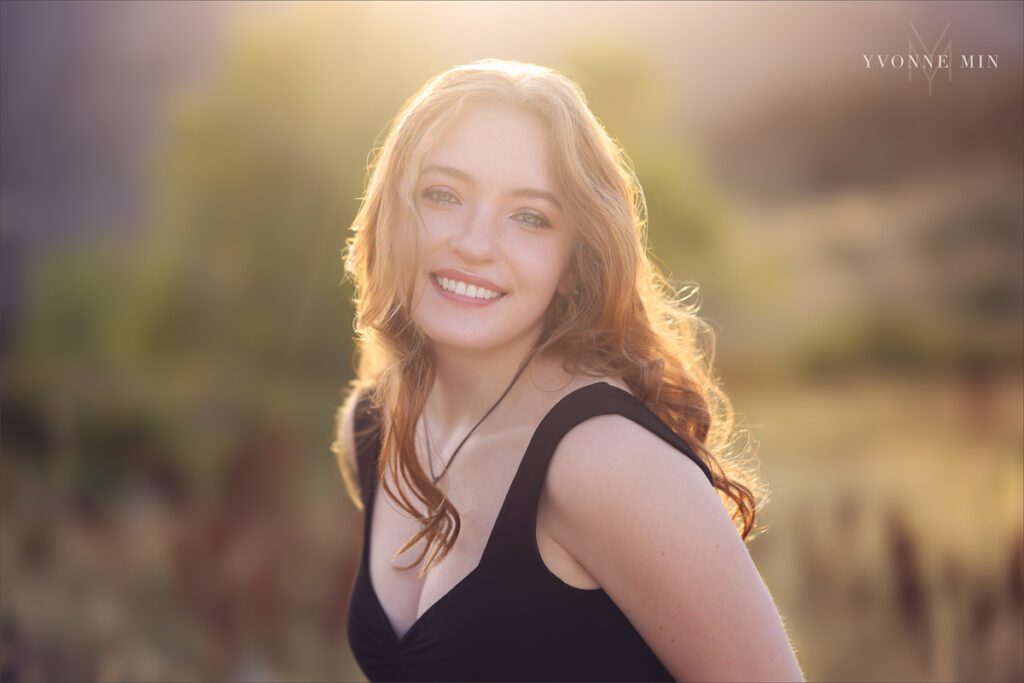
(511, 618)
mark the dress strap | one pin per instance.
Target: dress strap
(367, 439)
(515, 528)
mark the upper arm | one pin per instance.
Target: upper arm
(344, 447)
(644, 521)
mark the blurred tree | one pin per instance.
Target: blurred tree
(229, 309)
(690, 235)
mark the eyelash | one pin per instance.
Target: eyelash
(542, 221)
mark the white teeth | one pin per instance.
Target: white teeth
(465, 289)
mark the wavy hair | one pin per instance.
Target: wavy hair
(626, 320)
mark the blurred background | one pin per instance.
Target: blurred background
(177, 182)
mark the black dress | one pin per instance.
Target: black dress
(511, 618)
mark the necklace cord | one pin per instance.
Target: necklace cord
(430, 454)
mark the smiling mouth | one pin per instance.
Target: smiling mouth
(451, 289)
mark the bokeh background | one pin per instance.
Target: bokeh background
(177, 181)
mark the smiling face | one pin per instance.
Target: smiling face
(490, 218)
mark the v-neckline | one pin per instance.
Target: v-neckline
(402, 640)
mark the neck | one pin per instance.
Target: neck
(467, 384)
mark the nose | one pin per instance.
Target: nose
(474, 241)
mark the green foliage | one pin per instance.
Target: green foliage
(629, 92)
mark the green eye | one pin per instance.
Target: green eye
(534, 219)
(441, 196)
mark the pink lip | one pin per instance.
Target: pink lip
(460, 298)
(469, 279)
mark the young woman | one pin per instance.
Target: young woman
(532, 402)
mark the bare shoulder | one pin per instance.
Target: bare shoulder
(610, 467)
(640, 517)
(609, 446)
(611, 475)
(613, 452)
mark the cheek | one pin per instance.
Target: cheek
(540, 268)
(435, 227)
(433, 236)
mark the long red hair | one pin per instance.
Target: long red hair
(626, 321)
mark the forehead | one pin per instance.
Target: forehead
(497, 144)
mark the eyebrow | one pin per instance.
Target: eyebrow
(520, 192)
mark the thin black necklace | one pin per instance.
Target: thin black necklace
(430, 454)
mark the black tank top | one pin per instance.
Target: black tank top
(511, 618)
